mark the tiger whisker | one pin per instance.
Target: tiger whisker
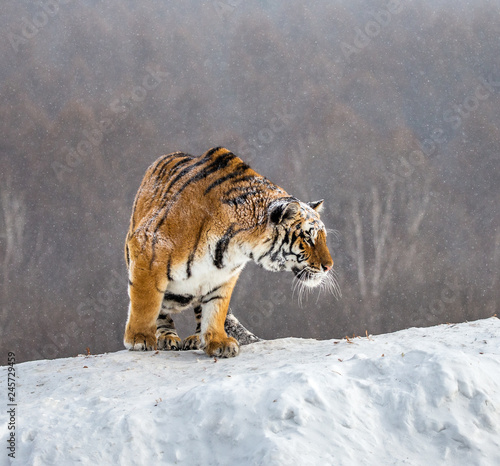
(300, 285)
(334, 284)
(329, 284)
(335, 233)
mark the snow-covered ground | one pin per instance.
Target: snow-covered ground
(420, 396)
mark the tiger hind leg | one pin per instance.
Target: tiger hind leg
(166, 335)
(235, 329)
(232, 326)
(193, 342)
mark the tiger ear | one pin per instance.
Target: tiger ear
(316, 205)
(281, 211)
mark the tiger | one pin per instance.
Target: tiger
(196, 222)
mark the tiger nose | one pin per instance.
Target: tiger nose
(327, 267)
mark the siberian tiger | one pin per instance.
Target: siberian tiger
(196, 222)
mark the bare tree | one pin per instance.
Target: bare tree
(11, 231)
(380, 245)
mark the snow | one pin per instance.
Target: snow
(420, 396)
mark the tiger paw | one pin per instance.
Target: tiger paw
(191, 343)
(139, 341)
(226, 347)
(170, 342)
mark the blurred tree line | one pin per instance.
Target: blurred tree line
(388, 110)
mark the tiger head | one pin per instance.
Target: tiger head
(297, 238)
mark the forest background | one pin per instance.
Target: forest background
(389, 110)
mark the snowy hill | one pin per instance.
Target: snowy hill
(420, 397)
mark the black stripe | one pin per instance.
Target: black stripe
(238, 189)
(193, 251)
(213, 290)
(159, 179)
(165, 317)
(153, 168)
(222, 246)
(213, 150)
(169, 270)
(127, 254)
(138, 195)
(161, 169)
(293, 239)
(275, 254)
(284, 241)
(161, 159)
(185, 159)
(204, 159)
(167, 333)
(210, 292)
(184, 172)
(174, 175)
(240, 180)
(272, 187)
(165, 324)
(183, 300)
(197, 314)
(205, 301)
(242, 198)
(167, 327)
(221, 162)
(153, 248)
(239, 170)
(275, 239)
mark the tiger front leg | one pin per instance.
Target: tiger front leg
(214, 340)
(146, 296)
